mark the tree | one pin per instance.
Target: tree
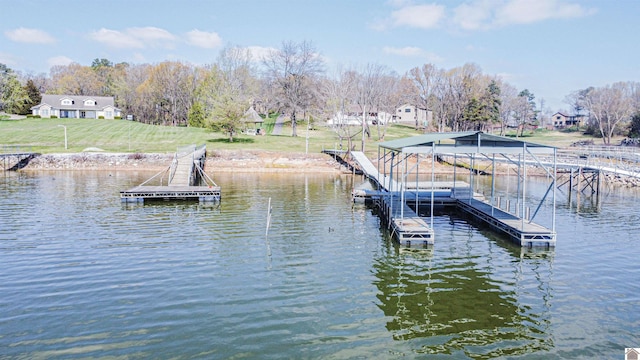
(368, 93)
(425, 81)
(508, 104)
(525, 109)
(168, 93)
(338, 94)
(609, 107)
(227, 90)
(634, 128)
(75, 79)
(33, 94)
(197, 116)
(292, 70)
(13, 96)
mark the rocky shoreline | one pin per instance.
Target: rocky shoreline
(228, 161)
(221, 161)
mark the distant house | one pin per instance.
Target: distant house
(413, 115)
(76, 106)
(352, 116)
(561, 121)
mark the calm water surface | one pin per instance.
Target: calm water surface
(84, 276)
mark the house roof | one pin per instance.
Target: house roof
(77, 102)
(251, 116)
(462, 142)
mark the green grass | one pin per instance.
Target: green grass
(47, 136)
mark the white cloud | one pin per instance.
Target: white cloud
(58, 60)
(419, 16)
(529, 11)
(412, 51)
(32, 36)
(116, 39)
(134, 38)
(203, 39)
(485, 14)
(259, 52)
(150, 33)
(404, 51)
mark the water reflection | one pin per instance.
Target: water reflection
(457, 298)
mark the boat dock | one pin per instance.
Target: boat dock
(184, 179)
(397, 197)
(405, 224)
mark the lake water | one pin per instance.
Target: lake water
(84, 276)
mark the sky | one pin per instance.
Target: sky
(550, 47)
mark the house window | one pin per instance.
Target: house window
(407, 110)
(45, 113)
(66, 102)
(89, 103)
(108, 114)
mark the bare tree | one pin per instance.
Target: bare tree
(292, 70)
(169, 88)
(393, 95)
(368, 93)
(508, 104)
(609, 107)
(338, 93)
(426, 81)
(525, 109)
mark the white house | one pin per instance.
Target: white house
(353, 117)
(76, 106)
(411, 114)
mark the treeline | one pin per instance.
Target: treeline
(294, 80)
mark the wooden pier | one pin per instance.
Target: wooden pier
(184, 179)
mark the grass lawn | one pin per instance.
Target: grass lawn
(47, 136)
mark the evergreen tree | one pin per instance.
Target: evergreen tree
(196, 116)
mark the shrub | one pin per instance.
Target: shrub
(136, 156)
(117, 117)
(101, 117)
(54, 117)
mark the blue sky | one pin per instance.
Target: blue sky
(551, 47)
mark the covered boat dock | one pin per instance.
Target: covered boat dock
(401, 183)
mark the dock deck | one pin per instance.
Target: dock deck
(523, 232)
(200, 193)
(185, 180)
(408, 227)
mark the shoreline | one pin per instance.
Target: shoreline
(219, 161)
(228, 161)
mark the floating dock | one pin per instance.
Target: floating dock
(185, 179)
(400, 161)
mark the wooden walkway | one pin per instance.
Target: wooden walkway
(185, 180)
